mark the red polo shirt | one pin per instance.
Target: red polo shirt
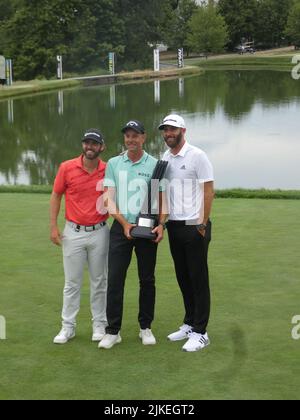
(82, 191)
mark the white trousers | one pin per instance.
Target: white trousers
(80, 248)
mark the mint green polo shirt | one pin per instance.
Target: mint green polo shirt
(130, 181)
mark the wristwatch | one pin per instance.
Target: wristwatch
(201, 227)
(163, 225)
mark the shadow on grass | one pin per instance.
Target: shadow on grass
(239, 352)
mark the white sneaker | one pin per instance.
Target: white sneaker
(98, 334)
(109, 341)
(182, 334)
(65, 335)
(196, 342)
(147, 337)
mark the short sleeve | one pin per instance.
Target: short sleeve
(110, 180)
(204, 168)
(60, 183)
(162, 185)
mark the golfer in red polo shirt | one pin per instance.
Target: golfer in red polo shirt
(86, 235)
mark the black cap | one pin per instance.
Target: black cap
(134, 125)
(93, 134)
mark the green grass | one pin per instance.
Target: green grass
(40, 86)
(36, 86)
(252, 62)
(259, 194)
(26, 189)
(231, 193)
(254, 262)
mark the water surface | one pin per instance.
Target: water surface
(247, 122)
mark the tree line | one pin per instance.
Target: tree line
(34, 32)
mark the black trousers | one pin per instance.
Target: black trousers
(120, 255)
(190, 252)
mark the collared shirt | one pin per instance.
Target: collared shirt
(130, 180)
(83, 191)
(186, 174)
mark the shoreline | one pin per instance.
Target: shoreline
(282, 63)
(265, 194)
(278, 60)
(34, 87)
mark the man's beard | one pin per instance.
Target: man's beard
(91, 157)
(175, 142)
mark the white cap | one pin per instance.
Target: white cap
(174, 121)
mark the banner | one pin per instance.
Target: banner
(59, 67)
(180, 58)
(2, 68)
(111, 62)
(156, 60)
(9, 78)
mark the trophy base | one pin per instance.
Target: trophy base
(140, 232)
(144, 228)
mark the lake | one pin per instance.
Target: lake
(248, 122)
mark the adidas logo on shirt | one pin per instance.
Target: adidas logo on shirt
(183, 168)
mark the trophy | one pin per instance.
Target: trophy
(147, 222)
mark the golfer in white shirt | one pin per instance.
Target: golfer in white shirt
(191, 193)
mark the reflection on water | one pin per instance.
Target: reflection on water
(157, 91)
(247, 122)
(10, 111)
(181, 87)
(60, 99)
(112, 92)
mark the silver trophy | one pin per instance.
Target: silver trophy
(147, 222)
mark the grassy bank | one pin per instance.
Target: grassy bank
(253, 62)
(231, 193)
(255, 293)
(172, 72)
(36, 86)
(277, 60)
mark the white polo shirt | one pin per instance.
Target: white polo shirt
(186, 175)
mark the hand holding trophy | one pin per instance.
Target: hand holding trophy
(147, 222)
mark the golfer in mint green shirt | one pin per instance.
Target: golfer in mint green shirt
(130, 179)
(126, 180)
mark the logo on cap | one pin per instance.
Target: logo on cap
(132, 124)
(92, 134)
(170, 120)
(173, 121)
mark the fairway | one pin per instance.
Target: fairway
(254, 270)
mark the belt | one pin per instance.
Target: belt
(78, 228)
(182, 223)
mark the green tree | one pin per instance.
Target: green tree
(82, 31)
(177, 25)
(240, 17)
(271, 22)
(39, 30)
(34, 32)
(142, 22)
(293, 24)
(208, 32)
(7, 10)
(109, 28)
